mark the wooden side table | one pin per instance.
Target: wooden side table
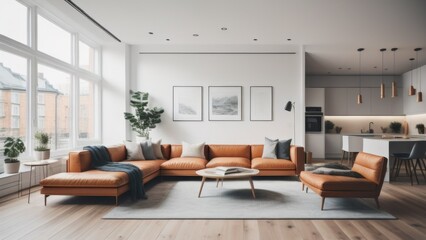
(44, 164)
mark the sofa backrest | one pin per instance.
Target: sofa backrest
(117, 153)
(370, 166)
(256, 150)
(223, 150)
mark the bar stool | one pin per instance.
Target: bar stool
(417, 153)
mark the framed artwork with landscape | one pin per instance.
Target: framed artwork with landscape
(261, 103)
(225, 103)
(187, 103)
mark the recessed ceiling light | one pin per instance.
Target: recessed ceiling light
(288, 39)
(255, 39)
(349, 68)
(340, 68)
(167, 39)
(150, 33)
(195, 35)
(386, 69)
(224, 28)
(375, 67)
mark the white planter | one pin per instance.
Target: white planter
(11, 167)
(42, 155)
(141, 139)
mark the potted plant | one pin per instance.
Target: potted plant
(42, 150)
(329, 125)
(12, 148)
(144, 119)
(395, 127)
(421, 128)
(338, 129)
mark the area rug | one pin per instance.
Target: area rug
(275, 199)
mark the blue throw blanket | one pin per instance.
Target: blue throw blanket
(102, 161)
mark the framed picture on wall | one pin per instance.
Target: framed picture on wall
(225, 103)
(261, 103)
(187, 103)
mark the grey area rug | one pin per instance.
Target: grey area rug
(275, 199)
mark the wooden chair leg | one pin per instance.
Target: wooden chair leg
(303, 187)
(408, 170)
(343, 157)
(322, 203)
(116, 200)
(411, 165)
(419, 163)
(377, 202)
(306, 189)
(45, 199)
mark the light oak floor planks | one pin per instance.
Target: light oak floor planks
(81, 218)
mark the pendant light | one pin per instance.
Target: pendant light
(359, 98)
(419, 70)
(411, 90)
(382, 85)
(394, 89)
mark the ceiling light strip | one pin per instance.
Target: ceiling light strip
(91, 19)
(289, 53)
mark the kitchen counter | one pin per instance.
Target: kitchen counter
(386, 146)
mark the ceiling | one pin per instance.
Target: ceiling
(329, 30)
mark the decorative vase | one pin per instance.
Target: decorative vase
(42, 155)
(141, 139)
(10, 168)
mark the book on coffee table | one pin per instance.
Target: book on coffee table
(229, 170)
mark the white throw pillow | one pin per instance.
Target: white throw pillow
(134, 151)
(193, 150)
(269, 148)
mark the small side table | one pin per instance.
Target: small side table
(33, 165)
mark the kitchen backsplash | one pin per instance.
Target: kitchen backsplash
(354, 124)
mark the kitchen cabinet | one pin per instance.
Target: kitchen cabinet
(343, 102)
(336, 101)
(315, 143)
(333, 146)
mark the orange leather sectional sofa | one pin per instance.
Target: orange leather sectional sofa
(81, 180)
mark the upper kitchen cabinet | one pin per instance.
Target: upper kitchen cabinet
(314, 97)
(336, 100)
(343, 102)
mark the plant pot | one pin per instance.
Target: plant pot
(42, 155)
(141, 139)
(10, 168)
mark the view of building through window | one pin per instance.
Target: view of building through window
(86, 128)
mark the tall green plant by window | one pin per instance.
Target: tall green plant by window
(144, 119)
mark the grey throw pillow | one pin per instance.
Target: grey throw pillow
(269, 150)
(156, 146)
(134, 151)
(147, 150)
(283, 149)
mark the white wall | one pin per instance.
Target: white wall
(114, 93)
(158, 73)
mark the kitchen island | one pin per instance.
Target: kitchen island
(386, 146)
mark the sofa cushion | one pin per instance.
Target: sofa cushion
(283, 149)
(147, 167)
(117, 153)
(337, 183)
(148, 150)
(216, 150)
(278, 164)
(156, 147)
(91, 178)
(229, 162)
(134, 151)
(193, 150)
(185, 163)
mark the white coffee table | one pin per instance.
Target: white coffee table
(44, 164)
(212, 173)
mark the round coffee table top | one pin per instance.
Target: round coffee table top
(215, 173)
(40, 163)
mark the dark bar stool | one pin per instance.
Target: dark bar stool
(417, 153)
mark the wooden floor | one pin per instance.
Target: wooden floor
(80, 218)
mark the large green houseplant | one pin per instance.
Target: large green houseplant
(42, 150)
(12, 148)
(144, 119)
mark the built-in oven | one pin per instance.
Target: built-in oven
(313, 119)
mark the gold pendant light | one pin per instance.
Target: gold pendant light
(394, 88)
(359, 98)
(419, 74)
(411, 90)
(382, 85)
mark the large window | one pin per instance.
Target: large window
(14, 20)
(53, 40)
(57, 99)
(63, 87)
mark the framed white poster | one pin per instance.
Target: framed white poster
(187, 103)
(225, 103)
(261, 103)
